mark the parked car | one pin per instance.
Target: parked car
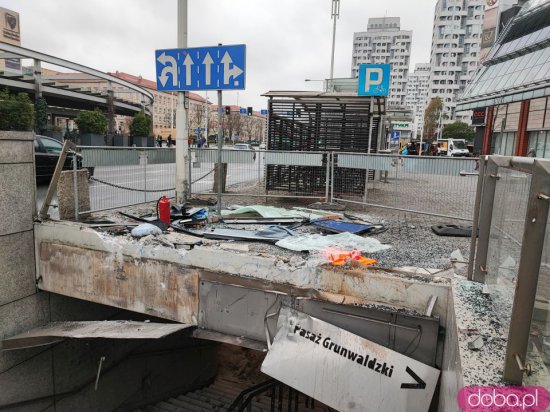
(244, 146)
(46, 155)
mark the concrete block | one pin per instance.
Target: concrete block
(17, 274)
(16, 151)
(26, 381)
(23, 314)
(17, 204)
(65, 194)
(7, 135)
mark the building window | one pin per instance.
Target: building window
(540, 142)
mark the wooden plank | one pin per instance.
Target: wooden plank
(68, 145)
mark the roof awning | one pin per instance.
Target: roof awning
(57, 331)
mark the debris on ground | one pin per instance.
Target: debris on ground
(338, 258)
(476, 344)
(341, 241)
(270, 234)
(452, 230)
(146, 229)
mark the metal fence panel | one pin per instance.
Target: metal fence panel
(440, 166)
(128, 176)
(97, 156)
(294, 159)
(430, 185)
(228, 156)
(360, 161)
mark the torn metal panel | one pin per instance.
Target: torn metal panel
(412, 335)
(56, 331)
(154, 287)
(232, 340)
(238, 311)
(345, 371)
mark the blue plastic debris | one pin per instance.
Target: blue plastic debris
(337, 226)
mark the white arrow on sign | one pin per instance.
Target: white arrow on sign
(173, 69)
(227, 72)
(207, 68)
(343, 370)
(188, 62)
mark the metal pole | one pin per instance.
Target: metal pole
(220, 145)
(144, 160)
(475, 221)
(206, 117)
(75, 186)
(182, 147)
(335, 14)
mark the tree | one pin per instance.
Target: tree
(16, 111)
(458, 130)
(233, 125)
(41, 112)
(431, 117)
(197, 117)
(93, 122)
(141, 125)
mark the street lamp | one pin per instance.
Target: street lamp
(335, 14)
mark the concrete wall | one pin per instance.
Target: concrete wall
(61, 377)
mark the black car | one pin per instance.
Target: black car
(46, 155)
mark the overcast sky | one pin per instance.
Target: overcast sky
(287, 40)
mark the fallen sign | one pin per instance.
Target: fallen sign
(343, 370)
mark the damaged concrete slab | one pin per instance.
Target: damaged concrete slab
(57, 331)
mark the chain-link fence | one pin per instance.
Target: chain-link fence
(128, 176)
(262, 173)
(431, 185)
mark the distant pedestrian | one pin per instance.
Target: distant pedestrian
(159, 141)
(169, 141)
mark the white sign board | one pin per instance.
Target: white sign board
(345, 371)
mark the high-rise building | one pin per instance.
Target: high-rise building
(455, 52)
(384, 42)
(416, 99)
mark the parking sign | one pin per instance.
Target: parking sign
(374, 80)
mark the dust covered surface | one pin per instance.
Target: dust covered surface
(412, 241)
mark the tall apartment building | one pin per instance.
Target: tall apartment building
(416, 99)
(384, 42)
(455, 52)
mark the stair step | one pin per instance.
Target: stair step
(165, 406)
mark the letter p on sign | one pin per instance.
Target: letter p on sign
(374, 80)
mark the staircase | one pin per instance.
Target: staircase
(233, 395)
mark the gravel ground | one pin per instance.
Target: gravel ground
(410, 235)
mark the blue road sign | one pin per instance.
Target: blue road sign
(395, 136)
(201, 68)
(263, 112)
(242, 110)
(374, 80)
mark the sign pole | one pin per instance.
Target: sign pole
(220, 145)
(182, 146)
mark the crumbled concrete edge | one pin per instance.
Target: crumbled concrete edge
(475, 318)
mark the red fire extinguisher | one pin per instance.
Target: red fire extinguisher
(163, 209)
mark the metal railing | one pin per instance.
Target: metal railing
(260, 173)
(429, 185)
(128, 176)
(282, 398)
(420, 184)
(512, 256)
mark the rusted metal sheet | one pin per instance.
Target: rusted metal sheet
(158, 288)
(345, 371)
(117, 329)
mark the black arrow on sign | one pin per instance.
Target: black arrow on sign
(420, 384)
